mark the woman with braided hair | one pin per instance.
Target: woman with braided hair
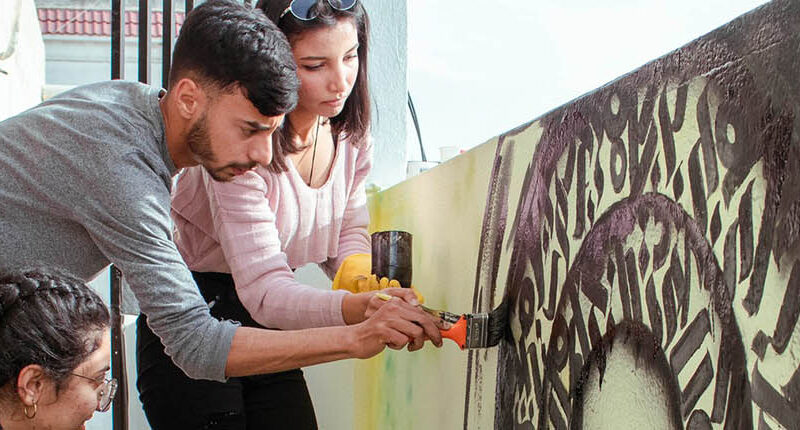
(54, 352)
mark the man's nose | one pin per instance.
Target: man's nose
(261, 150)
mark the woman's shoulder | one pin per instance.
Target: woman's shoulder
(359, 147)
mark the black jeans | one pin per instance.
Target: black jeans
(174, 401)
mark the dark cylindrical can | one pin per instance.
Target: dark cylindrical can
(391, 255)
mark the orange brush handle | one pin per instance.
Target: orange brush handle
(458, 332)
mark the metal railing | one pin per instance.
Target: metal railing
(118, 362)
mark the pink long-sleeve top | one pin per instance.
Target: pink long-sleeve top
(262, 224)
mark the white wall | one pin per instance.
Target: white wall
(21, 57)
(76, 60)
(388, 86)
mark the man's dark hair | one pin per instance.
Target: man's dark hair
(224, 44)
(354, 120)
(52, 321)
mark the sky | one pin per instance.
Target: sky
(479, 68)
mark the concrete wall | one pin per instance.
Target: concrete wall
(389, 87)
(76, 60)
(21, 58)
(645, 240)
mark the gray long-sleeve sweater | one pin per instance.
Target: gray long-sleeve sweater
(85, 181)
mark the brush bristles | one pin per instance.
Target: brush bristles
(497, 324)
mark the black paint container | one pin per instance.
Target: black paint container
(391, 256)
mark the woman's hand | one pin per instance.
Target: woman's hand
(360, 306)
(375, 303)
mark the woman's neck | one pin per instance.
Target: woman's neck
(304, 125)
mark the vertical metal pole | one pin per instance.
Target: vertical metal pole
(144, 41)
(117, 40)
(166, 42)
(120, 405)
(118, 370)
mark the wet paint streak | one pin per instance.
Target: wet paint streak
(784, 410)
(746, 232)
(762, 424)
(667, 136)
(782, 194)
(633, 286)
(706, 143)
(760, 343)
(729, 261)
(493, 231)
(737, 119)
(716, 225)
(699, 421)
(587, 140)
(668, 301)
(579, 326)
(700, 380)
(653, 310)
(624, 289)
(641, 169)
(697, 189)
(790, 311)
(690, 341)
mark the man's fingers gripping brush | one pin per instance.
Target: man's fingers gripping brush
(469, 331)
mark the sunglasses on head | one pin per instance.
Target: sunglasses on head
(302, 9)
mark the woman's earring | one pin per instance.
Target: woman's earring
(28, 414)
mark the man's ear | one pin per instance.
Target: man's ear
(31, 383)
(190, 98)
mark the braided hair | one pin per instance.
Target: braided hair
(49, 320)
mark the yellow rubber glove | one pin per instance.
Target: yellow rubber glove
(354, 276)
(354, 268)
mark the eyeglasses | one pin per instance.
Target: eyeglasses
(107, 392)
(301, 9)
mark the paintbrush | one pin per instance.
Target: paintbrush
(469, 331)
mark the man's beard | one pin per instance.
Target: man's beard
(200, 145)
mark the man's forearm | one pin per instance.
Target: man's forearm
(257, 351)
(394, 323)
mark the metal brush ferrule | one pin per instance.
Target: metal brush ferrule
(477, 330)
(449, 317)
(443, 315)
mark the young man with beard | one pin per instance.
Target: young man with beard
(86, 180)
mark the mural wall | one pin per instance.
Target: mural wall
(646, 240)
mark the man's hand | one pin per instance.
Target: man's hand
(395, 324)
